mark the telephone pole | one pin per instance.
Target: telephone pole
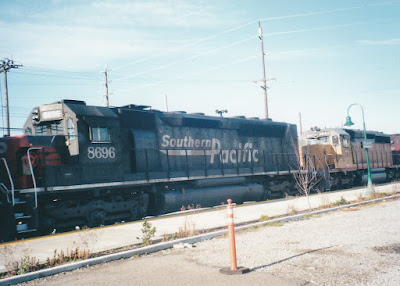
(5, 65)
(264, 87)
(106, 85)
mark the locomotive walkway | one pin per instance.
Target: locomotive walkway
(118, 236)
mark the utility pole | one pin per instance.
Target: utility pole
(166, 102)
(301, 125)
(106, 85)
(260, 35)
(5, 65)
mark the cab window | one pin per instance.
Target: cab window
(324, 139)
(49, 128)
(70, 129)
(99, 134)
(335, 140)
(28, 131)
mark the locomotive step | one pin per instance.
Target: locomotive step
(22, 216)
(23, 228)
(26, 230)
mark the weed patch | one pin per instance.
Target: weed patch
(324, 202)
(148, 232)
(340, 202)
(275, 223)
(307, 216)
(188, 229)
(353, 209)
(291, 209)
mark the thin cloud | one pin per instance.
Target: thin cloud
(172, 13)
(123, 13)
(66, 47)
(390, 42)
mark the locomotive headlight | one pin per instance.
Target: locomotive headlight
(51, 114)
(35, 115)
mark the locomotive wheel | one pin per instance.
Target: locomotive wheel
(266, 195)
(96, 217)
(8, 228)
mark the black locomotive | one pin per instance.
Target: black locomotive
(91, 165)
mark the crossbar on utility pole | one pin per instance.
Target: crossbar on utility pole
(5, 65)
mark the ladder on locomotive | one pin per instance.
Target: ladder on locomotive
(22, 211)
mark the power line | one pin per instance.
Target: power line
(251, 23)
(52, 84)
(186, 59)
(241, 41)
(60, 76)
(181, 78)
(11, 128)
(57, 70)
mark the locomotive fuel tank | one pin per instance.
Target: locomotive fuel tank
(171, 201)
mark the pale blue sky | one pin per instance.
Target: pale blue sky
(205, 55)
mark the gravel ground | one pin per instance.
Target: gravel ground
(360, 246)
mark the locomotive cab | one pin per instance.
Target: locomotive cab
(331, 148)
(55, 119)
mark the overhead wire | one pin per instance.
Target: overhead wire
(187, 58)
(57, 70)
(58, 76)
(199, 72)
(315, 29)
(250, 23)
(229, 45)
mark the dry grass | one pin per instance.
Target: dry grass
(18, 260)
(291, 209)
(360, 197)
(353, 209)
(87, 239)
(264, 218)
(8, 254)
(188, 229)
(17, 263)
(190, 207)
(325, 203)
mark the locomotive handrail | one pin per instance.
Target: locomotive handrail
(11, 181)
(5, 190)
(33, 175)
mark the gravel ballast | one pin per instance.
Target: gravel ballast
(358, 246)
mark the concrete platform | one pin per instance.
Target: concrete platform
(117, 236)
